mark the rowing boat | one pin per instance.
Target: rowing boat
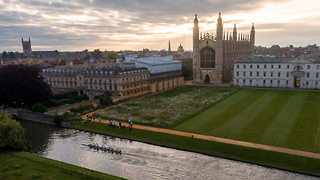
(104, 148)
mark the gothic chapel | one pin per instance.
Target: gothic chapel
(213, 56)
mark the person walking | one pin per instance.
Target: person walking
(99, 119)
(130, 124)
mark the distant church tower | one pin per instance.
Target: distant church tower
(26, 45)
(169, 49)
(213, 56)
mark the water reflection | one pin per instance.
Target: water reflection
(141, 161)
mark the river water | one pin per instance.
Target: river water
(141, 161)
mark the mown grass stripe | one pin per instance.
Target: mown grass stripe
(205, 116)
(303, 134)
(279, 130)
(260, 124)
(235, 125)
(224, 117)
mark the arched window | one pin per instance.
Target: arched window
(207, 58)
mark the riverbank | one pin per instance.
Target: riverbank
(277, 160)
(22, 165)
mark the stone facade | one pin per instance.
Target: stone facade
(273, 72)
(213, 56)
(26, 45)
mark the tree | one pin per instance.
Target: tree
(18, 54)
(186, 72)
(56, 51)
(11, 54)
(275, 46)
(22, 85)
(57, 119)
(4, 54)
(12, 134)
(39, 69)
(291, 46)
(314, 46)
(39, 107)
(112, 55)
(146, 50)
(96, 53)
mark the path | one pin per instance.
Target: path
(224, 140)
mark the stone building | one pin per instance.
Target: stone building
(122, 83)
(278, 72)
(213, 56)
(26, 45)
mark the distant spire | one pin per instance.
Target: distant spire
(29, 39)
(169, 50)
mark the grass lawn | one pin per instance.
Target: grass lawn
(166, 108)
(54, 108)
(216, 148)
(284, 118)
(35, 167)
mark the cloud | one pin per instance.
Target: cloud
(115, 25)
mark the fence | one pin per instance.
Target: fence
(65, 166)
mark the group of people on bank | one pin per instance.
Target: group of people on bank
(120, 125)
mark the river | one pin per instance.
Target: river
(141, 161)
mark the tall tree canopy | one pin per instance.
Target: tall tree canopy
(275, 46)
(112, 55)
(4, 54)
(22, 85)
(96, 53)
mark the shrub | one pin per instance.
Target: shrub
(57, 119)
(68, 101)
(41, 108)
(81, 97)
(105, 100)
(12, 134)
(34, 107)
(64, 95)
(82, 108)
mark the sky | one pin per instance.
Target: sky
(75, 25)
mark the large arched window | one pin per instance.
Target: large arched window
(207, 58)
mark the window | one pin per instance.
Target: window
(308, 74)
(270, 81)
(308, 67)
(271, 74)
(79, 78)
(115, 87)
(278, 81)
(317, 75)
(265, 66)
(237, 80)
(109, 80)
(317, 68)
(279, 66)
(95, 80)
(257, 66)
(115, 81)
(287, 74)
(264, 74)
(279, 74)
(257, 74)
(287, 82)
(250, 66)
(207, 58)
(316, 83)
(62, 79)
(244, 81)
(238, 66)
(307, 83)
(237, 73)
(288, 66)
(110, 88)
(250, 74)
(264, 81)
(244, 66)
(250, 81)
(244, 73)
(271, 66)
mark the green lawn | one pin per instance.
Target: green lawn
(166, 108)
(282, 118)
(15, 167)
(216, 148)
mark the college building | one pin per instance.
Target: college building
(278, 72)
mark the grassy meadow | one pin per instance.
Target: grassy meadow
(166, 108)
(285, 118)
